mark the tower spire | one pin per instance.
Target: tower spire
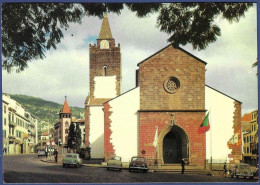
(105, 32)
(66, 108)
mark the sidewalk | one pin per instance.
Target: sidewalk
(48, 160)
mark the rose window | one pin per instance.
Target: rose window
(171, 85)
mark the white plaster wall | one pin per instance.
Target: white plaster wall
(124, 124)
(96, 131)
(221, 122)
(5, 116)
(105, 87)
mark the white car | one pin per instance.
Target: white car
(242, 170)
(41, 152)
(71, 159)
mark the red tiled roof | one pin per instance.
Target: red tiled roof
(246, 118)
(45, 134)
(66, 108)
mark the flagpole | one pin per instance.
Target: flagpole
(210, 140)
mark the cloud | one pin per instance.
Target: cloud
(65, 71)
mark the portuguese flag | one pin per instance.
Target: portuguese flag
(204, 127)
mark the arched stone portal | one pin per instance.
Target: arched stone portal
(173, 145)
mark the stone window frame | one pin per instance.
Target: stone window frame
(105, 70)
(171, 84)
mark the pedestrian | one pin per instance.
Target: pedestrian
(56, 155)
(225, 169)
(182, 166)
(46, 153)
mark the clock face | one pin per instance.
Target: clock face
(104, 44)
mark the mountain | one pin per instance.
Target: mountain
(44, 111)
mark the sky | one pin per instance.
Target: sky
(65, 71)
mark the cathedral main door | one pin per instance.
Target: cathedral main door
(175, 146)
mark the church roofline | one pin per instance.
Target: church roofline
(176, 110)
(223, 94)
(121, 94)
(179, 48)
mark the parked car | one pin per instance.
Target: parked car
(71, 159)
(138, 163)
(114, 163)
(41, 152)
(242, 170)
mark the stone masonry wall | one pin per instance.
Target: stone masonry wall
(172, 62)
(237, 147)
(189, 121)
(98, 58)
(108, 148)
(87, 115)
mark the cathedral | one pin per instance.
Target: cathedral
(160, 117)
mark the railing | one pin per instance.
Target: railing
(11, 136)
(13, 124)
(219, 166)
(153, 162)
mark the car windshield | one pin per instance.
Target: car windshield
(116, 158)
(244, 166)
(138, 159)
(72, 156)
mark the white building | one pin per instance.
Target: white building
(19, 128)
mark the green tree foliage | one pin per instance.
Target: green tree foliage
(194, 22)
(29, 29)
(72, 137)
(78, 136)
(44, 111)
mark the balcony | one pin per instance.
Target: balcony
(11, 136)
(12, 124)
(33, 134)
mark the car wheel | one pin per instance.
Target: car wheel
(231, 175)
(251, 177)
(108, 169)
(119, 169)
(130, 170)
(244, 177)
(77, 165)
(64, 165)
(237, 176)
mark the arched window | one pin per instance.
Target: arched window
(105, 70)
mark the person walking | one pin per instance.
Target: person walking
(225, 169)
(46, 153)
(182, 166)
(56, 155)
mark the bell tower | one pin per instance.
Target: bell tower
(104, 84)
(105, 67)
(65, 121)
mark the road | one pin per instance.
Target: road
(30, 169)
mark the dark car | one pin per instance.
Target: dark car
(138, 163)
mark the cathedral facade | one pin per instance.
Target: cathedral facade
(159, 118)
